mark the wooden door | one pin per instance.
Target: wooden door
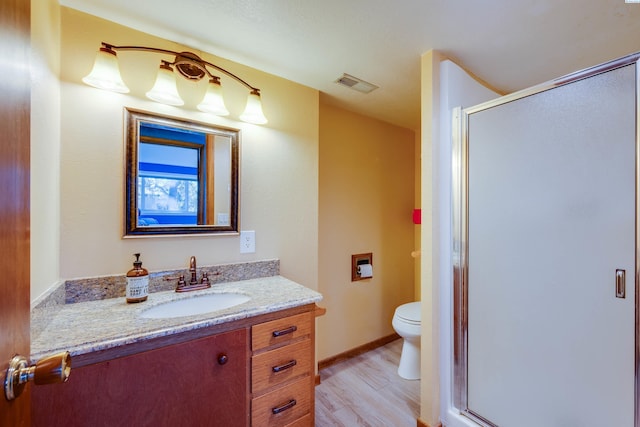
(14, 197)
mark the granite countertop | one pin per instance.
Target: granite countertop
(91, 326)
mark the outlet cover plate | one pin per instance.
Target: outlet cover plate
(247, 242)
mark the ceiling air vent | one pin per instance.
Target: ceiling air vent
(356, 83)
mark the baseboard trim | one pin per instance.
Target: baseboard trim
(421, 423)
(318, 379)
(325, 363)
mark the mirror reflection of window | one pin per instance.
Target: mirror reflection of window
(169, 167)
(222, 170)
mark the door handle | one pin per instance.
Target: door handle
(620, 283)
(49, 370)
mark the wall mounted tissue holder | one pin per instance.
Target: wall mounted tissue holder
(361, 266)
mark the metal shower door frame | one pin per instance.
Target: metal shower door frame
(460, 230)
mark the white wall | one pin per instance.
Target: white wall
(457, 89)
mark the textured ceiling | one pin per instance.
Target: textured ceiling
(510, 45)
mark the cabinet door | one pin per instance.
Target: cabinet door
(179, 385)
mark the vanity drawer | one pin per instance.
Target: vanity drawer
(280, 331)
(282, 364)
(282, 406)
(301, 422)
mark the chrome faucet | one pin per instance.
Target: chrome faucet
(193, 284)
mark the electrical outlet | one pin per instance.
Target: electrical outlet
(247, 242)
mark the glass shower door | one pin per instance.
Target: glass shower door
(550, 224)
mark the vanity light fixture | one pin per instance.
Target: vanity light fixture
(106, 75)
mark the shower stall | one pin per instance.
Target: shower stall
(545, 247)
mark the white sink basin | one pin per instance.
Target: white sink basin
(196, 305)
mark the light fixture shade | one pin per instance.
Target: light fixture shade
(253, 111)
(164, 90)
(106, 72)
(213, 102)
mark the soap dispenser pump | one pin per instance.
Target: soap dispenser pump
(137, 282)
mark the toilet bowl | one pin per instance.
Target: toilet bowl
(406, 322)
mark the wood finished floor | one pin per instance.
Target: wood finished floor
(367, 391)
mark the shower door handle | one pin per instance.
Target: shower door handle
(620, 283)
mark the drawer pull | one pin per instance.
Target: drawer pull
(281, 332)
(288, 365)
(290, 404)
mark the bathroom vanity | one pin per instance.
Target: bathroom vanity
(248, 365)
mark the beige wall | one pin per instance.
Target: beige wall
(45, 146)
(417, 194)
(366, 201)
(278, 162)
(429, 384)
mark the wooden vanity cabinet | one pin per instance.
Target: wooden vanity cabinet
(221, 376)
(282, 371)
(196, 383)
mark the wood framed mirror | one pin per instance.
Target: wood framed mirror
(181, 176)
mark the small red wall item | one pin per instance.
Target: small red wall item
(417, 216)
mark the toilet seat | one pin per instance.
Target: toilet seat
(409, 313)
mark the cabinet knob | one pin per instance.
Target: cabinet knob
(222, 359)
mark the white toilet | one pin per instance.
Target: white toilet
(406, 322)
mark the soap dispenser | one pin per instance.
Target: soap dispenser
(137, 282)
